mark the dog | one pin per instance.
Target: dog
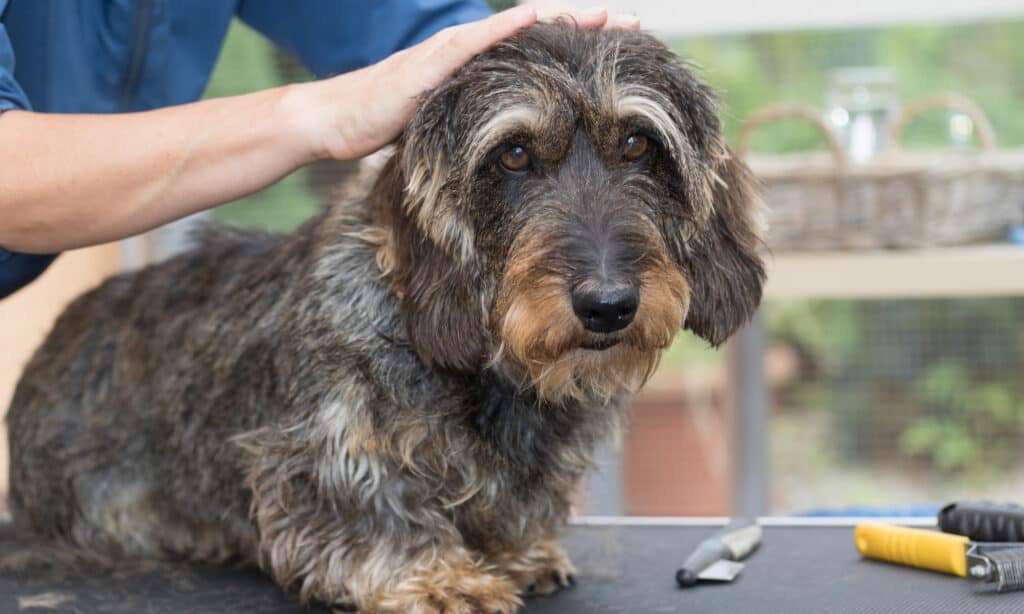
(391, 408)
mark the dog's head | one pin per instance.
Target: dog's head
(564, 205)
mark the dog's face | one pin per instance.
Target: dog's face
(567, 206)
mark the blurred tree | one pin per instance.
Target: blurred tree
(982, 61)
(936, 380)
(501, 5)
(249, 62)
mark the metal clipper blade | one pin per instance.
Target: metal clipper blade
(996, 567)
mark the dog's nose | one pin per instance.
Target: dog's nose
(605, 308)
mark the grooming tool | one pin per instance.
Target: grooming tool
(994, 567)
(920, 548)
(983, 521)
(718, 557)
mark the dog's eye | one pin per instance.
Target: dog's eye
(515, 159)
(635, 147)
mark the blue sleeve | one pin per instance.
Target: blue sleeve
(16, 270)
(11, 94)
(336, 36)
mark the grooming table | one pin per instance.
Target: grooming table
(806, 568)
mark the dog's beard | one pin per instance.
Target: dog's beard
(588, 374)
(544, 344)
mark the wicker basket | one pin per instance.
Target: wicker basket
(819, 200)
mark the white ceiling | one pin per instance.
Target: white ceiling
(711, 16)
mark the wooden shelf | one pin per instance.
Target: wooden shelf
(980, 270)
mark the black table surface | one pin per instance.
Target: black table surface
(798, 569)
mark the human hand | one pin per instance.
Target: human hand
(589, 18)
(367, 109)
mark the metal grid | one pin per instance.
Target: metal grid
(898, 402)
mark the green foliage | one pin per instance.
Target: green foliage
(501, 5)
(249, 63)
(935, 380)
(970, 423)
(982, 61)
(690, 351)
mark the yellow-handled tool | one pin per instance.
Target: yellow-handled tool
(933, 550)
(995, 567)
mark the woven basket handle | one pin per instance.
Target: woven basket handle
(776, 113)
(954, 102)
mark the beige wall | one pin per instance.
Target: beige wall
(27, 316)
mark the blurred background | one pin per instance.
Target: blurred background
(878, 377)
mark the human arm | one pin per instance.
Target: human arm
(72, 180)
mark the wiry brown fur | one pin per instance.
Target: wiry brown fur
(392, 406)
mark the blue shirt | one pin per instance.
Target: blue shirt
(109, 56)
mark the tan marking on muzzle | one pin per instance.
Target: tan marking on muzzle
(541, 336)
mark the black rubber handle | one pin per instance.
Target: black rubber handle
(983, 521)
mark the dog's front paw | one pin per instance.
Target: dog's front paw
(541, 570)
(551, 580)
(552, 574)
(447, 588)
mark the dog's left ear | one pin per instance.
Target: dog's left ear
(722, 260)
(720, 257)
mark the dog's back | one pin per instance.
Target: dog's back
(99, 405)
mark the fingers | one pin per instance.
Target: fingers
(622, 21)
(396, 83)
(588, 19)
(465, 41)
(425, 65)
(460, 43)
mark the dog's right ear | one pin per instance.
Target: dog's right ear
(437, 282)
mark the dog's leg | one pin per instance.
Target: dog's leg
(541, 569)
(378, 568)
(451, 581)
(377, 542)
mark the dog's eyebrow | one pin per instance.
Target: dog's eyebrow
(517, 117)
(647, 103)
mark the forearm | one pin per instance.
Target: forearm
(72, 180)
